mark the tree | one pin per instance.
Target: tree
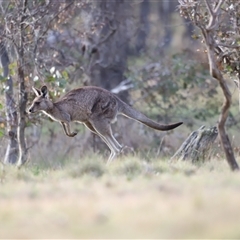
(218, 21)
(10, 109)
(25, 24)
(144, 26)
(107, 43)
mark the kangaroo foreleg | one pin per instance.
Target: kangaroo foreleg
(67, 130)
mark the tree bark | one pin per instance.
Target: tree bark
(108, 53)
(11, 154)
(22, 102)
(21, 117)
(197, 146)
(144, 27)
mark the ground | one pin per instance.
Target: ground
(130, 198)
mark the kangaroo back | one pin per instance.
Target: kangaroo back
(132, 113)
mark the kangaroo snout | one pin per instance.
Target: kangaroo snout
(30, 110)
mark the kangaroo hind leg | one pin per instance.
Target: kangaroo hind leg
(103, 128)
(91, 128)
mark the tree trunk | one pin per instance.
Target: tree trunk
(22, 101)
(166, 9)
(10, 110)
(21, 117)
(108, 54)
(144, 27)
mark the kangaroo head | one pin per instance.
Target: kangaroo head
(41, 102)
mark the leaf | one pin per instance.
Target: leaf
(58, 74)
(65, 74)
(2, 79)
(36, 78)
(12, 68)
(50, 79)
(1, 133)
(52, 70)
(62, 82)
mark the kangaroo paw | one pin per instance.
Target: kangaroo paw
(73, 134)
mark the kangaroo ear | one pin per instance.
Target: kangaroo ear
(44, 91)
(36, 91)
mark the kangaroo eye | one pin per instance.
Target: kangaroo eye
(37, 103)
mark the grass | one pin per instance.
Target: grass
(129, 198)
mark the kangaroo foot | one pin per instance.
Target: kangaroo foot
(127, 150)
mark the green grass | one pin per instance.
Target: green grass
(130, 198)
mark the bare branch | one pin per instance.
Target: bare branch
(228, 46)
(218, 6)
(123, 86)
(213, 23)
(209, 7)
(4, 12)
(2, 120)
(48, 27)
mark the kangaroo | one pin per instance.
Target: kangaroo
(96, 108)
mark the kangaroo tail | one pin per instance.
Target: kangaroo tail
(132, 113)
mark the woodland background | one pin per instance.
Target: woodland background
(144, 51)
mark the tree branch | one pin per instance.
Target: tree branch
(218, 6)
(213, 14)
(48, 26)
(209, 7)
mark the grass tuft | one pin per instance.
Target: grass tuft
(90, 167)
(11, 173)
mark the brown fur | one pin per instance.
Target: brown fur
(95, 107)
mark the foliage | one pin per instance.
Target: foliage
(227, 32)
(174, 81)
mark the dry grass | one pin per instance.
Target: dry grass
(129, 198)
